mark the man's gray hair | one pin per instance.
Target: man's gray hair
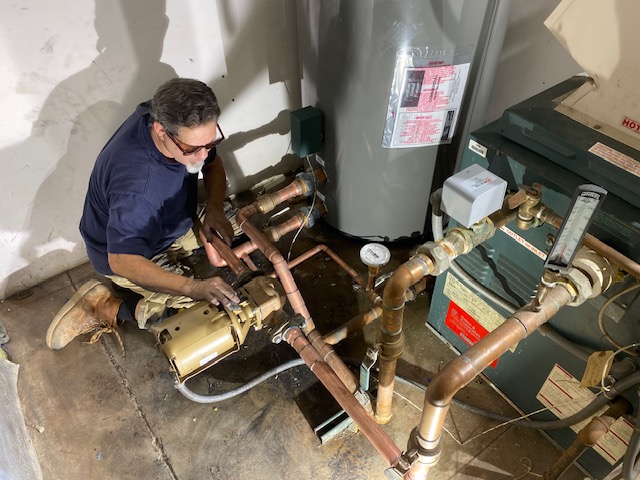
(184, 102)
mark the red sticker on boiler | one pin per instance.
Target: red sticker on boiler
(465, 326)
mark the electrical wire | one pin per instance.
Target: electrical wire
(195, 397)
(313, 204)
(596, 404)
(605, 369)
(601, 317)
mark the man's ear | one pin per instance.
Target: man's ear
(159, 129)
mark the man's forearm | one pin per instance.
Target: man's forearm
(148, 275)
(215, 183)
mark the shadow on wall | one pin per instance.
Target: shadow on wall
(260, 42)
(84, 110)
(78, 117)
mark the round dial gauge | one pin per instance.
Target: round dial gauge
(375, 255)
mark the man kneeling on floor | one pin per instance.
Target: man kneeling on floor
(140, 214)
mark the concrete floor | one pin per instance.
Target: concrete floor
(93, 414)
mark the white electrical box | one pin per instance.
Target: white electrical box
(472, 194)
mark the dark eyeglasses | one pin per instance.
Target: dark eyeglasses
(191, 149)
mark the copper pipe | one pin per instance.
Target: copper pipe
(330, 356)
(279, 263)
(293, 294)
(334, 256)
(298, 187)
(353, 325)
(237, 266)
(300, 220)
(598, 246)
(587, 437)
(378, 438)
(390, 333)
(247, 260)
(431, 258)
(462, 370)
(365, 318)
(276, 232)
(371, 282)
(216, 259)
(266, 203)
(273, 234)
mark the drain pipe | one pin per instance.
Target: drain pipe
(587, 437)
(432, 258)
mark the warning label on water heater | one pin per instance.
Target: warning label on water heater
(564, 396)
(430, 99)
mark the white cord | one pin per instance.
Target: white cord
(525, 461)
(604, 307)
(607, 365)
(508, 421)
(313, 204)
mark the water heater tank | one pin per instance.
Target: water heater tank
(348, 54)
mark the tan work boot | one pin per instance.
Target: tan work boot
(91, 309)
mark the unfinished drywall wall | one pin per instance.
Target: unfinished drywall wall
(74, 70)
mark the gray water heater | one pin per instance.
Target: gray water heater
(351, 71)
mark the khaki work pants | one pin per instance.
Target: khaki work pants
(154, 304)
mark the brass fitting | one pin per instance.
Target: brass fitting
(590, 275)
(531, 211)
(438, 255)
(597, 268)
(458, 241)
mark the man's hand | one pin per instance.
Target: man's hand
(216, 223)
(216, 291)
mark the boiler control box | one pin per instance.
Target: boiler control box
(472, 194)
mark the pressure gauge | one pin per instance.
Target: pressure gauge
(584, 205)
(375, 255)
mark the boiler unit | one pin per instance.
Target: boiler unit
(533, 144)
